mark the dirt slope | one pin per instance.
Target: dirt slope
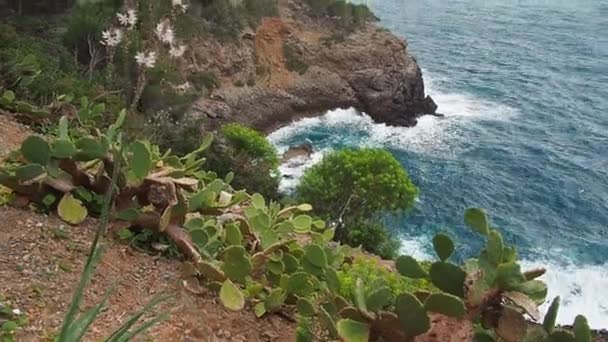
(40, 261)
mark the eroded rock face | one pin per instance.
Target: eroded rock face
(369, 69)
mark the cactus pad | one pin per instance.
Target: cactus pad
(236, 264)
(477, 220)
(444, 246)
(315, 255)
(71, 210)
(36, 150)
(448, 278)
(409, 267)
(352, 331)
(231, 296)
(412, 315)
(445, 304)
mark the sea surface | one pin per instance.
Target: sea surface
(524, 87)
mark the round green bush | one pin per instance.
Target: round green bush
(357, 183)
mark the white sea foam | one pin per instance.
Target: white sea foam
(583, 289)
(431, 134)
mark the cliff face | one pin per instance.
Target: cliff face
(368, 69)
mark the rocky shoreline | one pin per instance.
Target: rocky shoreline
(368, 69)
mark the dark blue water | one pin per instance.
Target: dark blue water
(524, 85)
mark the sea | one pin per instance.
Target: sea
(524, 89)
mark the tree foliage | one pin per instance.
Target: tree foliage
(250, 156)
(357, 183)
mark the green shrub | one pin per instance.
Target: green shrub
(368, 269)
(293, 59)
(373, 237)
(205, 80)
(357, 183)
(245, 140)
(353, 187)
(181, 134)
(39, 69)
(350, 15)
(251, 157)
(87, 22)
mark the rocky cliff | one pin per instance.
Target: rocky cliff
(296, 65)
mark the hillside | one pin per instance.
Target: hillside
(299, 65)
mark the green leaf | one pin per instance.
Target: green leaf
(299, 283)
(328, 321)
(130, 214)
(332, 279)
(233, 235)
(444, 246)
(9, 95)
(260, 222)
(231, 296)
(315, 255)
(141, 160)
(445, 304)
(535, 289)
(125, 234)
(258, 201)
(353, 331)
(9, 327)
(561, 336)
(302, 224)
(476, 218)
(36, 150)
(165, 219)
(259, 309)
(49, 200)
(305, 207)
(90, 149)
(71, 210)
(409, 267)
(275, 299)
(29, 172)
(359, 295)
(63, 128)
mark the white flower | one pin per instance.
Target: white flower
(132, 17)
(180, 5)
(123, 19)
(146, 60)
(128, 19)
(17, 312)
(164, 32)
(178, 51)
(111, 37)
(182, 89)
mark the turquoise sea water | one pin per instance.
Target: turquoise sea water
(524, 86)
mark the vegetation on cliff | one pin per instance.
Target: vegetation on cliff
(206, 201)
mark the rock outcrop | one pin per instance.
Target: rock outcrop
(369, 69)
